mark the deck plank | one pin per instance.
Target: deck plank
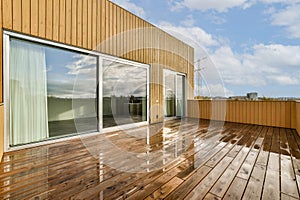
(255, 184)
(152, 187)
(221, 154)
(190, 161)
(227, 177)
(236, 189)
(292, 137)
(231, 146)
(263, 155)
(211, 196)
(181, 191)
(288, 179)
(287, 173)
(249, 162)
(271, 188)
(271, 185)
(204, 186)
(286, 197)
(166, 189)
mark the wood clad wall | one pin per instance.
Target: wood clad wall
(1, 53)
(1, 89)
(103, 26)
(1, 131)
(297, 116)
(267, 113)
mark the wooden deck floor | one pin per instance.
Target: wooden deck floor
(188, 159)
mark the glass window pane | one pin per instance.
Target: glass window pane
(174, 94)
(124, 94)
(53, 92)
(180, 96)
(72, 92)
(170, 94)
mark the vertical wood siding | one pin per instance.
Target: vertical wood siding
(268, 113)
(297, 116)
(1, 131)
(1, 53)
(1, 106)
(100, 25)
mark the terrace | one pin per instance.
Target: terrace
(180, 159)
(217, 150)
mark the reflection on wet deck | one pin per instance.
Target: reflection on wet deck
(180, 159)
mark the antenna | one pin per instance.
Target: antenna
(199, 69)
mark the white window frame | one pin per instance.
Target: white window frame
(100, 57)
(132, 125)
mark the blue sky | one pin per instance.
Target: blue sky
(243, 45)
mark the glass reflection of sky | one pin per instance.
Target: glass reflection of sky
(170, 84)
(74, 75)
(70, 74)
(124, 80)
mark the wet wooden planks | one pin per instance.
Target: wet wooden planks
(184, 159)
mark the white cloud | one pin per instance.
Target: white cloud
(224, 5)
(278, 55)
(261, 66)
(203, 5)
(189, 21)
(214, 90)
(284, 79)
(128, 5)
(211, 82)
(79, 81)
(82, 65)
(72, 88)
(175, 6)
(279, 1)
(190, 34)
(235, 69)
(216, 19)
(289, 18)
(123, 80)
(267, 65)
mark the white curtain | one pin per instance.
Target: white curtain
(28, 93)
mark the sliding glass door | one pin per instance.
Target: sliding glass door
(174, 94)
(54, 91)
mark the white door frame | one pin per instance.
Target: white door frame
(184, 92)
